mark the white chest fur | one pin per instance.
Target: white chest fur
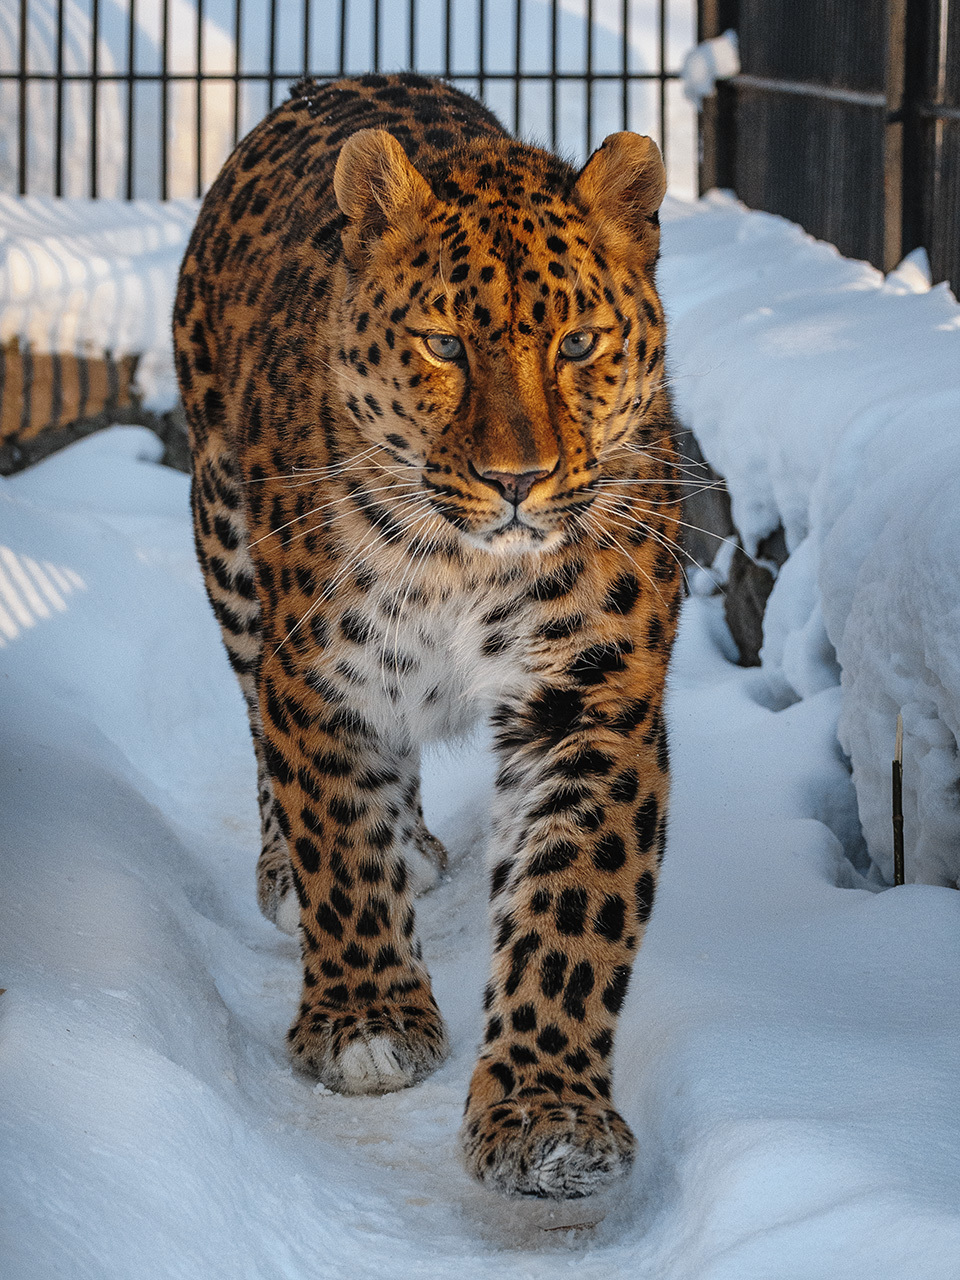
(422, 667)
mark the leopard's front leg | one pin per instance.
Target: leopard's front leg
(584, 783)
(367, 1021)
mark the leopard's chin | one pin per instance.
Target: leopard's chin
(517, 538)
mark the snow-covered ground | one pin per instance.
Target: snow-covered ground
(789, 1048)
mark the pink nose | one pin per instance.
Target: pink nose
(515, 486)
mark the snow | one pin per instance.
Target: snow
(828, 396)
(708, 62)
(787, 1052)
(87, 276)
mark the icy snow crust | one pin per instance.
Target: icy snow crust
(828, 397)
(788, 1052)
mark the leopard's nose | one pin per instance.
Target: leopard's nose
(513, 485)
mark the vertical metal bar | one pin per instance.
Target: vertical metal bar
(897, 804)
(131, 58)
(237, 37)
(893, 176)
(22, 104)
(942, 38)
(917, 85)
(625, 64)
(376, 35)
(717, 126)
(554, 55)
(165, 101)
(58, 139)
(662, 57)
(482, 47)
(199, 117)
(342, 61)
(939, 127)
(272, 55)
(589, 68)
(412, 33)
(448, 38)
(517, 59)
(306, 38)
(94, 95)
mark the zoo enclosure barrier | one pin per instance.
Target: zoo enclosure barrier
(845, 117)
(145, 98)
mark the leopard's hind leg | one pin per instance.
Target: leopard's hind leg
(424, 854)
(220, 528)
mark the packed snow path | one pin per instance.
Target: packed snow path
(789, 1048)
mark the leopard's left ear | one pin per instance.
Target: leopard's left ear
(376, 186)
(625, 180)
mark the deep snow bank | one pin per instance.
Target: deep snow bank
(828, 397)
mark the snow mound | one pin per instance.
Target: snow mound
(828, 396)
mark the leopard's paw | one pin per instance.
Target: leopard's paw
(553, 1149)
(388, 1046)
(276, 895)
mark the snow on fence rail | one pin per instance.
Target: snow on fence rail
(86, 296)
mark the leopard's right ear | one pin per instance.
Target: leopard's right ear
(376, 186)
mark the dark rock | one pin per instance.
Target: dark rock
(707, 512)
(706, 504)
(745, 598)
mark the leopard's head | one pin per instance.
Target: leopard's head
(500, 331)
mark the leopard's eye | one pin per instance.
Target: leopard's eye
(575, 346)
(445, 346)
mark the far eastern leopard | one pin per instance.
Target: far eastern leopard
(434, 479)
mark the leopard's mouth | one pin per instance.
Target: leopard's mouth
(518, 535)
(513, 531)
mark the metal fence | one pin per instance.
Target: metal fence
(147, 97)
(845, 118)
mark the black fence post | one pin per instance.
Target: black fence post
(893, 153)
(718, 118)
(920, 15)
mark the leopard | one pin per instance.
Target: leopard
(435, 483)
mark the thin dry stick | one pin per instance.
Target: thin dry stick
(898, 805)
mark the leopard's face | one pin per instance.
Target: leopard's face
(504, 349)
